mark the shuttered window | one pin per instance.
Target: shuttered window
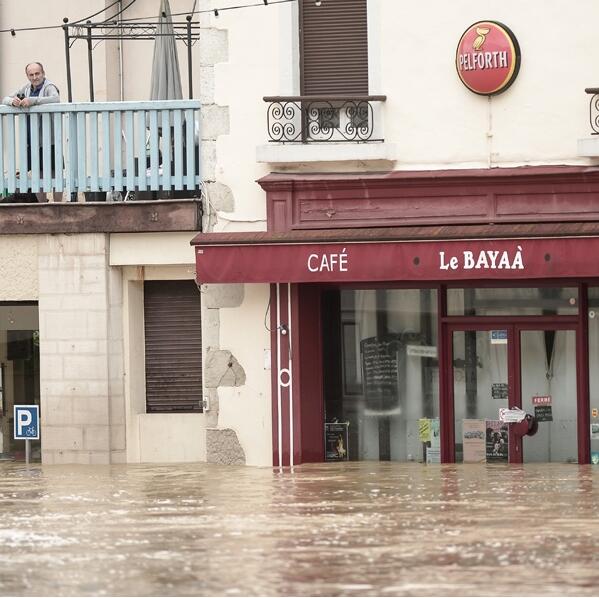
(334, 47)
(173, 343)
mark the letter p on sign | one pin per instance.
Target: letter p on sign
(26, 422)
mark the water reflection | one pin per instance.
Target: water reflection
(334, 529)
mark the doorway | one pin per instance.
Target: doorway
(19, 373)
(523, 365)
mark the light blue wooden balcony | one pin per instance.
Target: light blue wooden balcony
(101, 147)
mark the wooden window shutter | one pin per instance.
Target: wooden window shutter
(173, 343)
(334, 47)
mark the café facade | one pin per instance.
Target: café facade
(425, 287)
(410, 308)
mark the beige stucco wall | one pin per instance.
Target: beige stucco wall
(247, 409)
(431, 121)
(18, 268)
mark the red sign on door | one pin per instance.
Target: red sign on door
(541, 400)
(488, 58)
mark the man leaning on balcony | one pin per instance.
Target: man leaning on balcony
(37, 92)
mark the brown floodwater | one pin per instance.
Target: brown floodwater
(355, 529)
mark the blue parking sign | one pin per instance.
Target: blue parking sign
(27, 422)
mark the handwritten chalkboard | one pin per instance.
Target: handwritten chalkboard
(543, 413)
(499, 390)
(380, 368)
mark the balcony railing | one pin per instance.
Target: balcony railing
(305, 119)
(100, 147)
(594, 108)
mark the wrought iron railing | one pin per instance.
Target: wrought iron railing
(102, 146)
(304, 119)
(594, 108)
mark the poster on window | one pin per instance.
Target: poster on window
(474, 440)
(336, 436)
(496, 440)
(435, 434)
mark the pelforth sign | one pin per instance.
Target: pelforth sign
(488, 58)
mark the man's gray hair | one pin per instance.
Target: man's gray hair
(35, 62)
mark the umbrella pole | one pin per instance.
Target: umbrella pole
(189, 65)
(90, 61)
(67, 53)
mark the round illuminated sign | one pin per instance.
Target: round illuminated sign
(488, 58)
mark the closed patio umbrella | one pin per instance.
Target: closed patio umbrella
(165, 83)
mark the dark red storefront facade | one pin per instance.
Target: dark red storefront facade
(441, 230)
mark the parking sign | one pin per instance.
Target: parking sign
(27, 422)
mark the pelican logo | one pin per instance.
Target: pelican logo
(488, 58)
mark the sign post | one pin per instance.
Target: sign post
(26, 425)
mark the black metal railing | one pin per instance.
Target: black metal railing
(594, 108)
(305, 119)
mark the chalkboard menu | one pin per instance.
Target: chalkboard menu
(543, 413)
(380, 367)
(499, 390)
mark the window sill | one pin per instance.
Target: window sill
(589, 147)
(290, 153)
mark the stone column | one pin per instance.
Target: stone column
(82, 405)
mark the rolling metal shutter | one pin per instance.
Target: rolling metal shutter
(173, 342)
(334, 47)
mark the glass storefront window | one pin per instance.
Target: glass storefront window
(512, 301)
(389, 391)
(594, 371)
(19, 373)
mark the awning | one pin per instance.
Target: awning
(377, 255)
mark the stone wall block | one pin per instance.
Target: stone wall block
(222, 295)
(57, 412)
(221, 197)
(215, 121)
(93, 281)
(89, 411)
(65, 325)
(75, 388)
(62, 438)
(78, 347)
(85, 367)
(51, 367)
(207, 84)
(211, 328)
(223, 447)
(96, 438)
(212, 414)
(221, 368)
(208, 157)
(214, 45)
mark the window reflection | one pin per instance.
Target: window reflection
(512, 301)
(388, 370)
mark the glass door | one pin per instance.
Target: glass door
(548, 391)
(481, 385)
(526, 366)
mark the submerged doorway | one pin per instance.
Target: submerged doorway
(19, 372)
(524, 366)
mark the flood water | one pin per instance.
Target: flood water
(364, 529)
